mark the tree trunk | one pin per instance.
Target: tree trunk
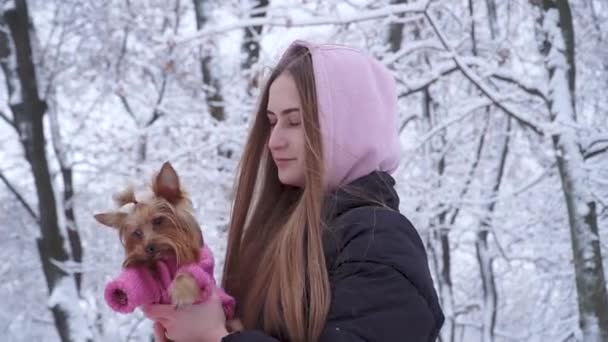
(395, 31)
(482, 250)
(141, 152)
(484, 255)
(480, 245)
(28, 110)
(68, 197)
(251, 44)
(557, 44)
(213, 89)
(441, 234)
(438, 224)
(492, 18)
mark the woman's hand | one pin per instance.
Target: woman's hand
(159, 333)
(204, 322)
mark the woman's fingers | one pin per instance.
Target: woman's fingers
(158, 312)
(234, 325)
(159, 333)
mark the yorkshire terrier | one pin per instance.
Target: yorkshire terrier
(166, 259)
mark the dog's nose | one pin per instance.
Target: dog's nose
(150, 249)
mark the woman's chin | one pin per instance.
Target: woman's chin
(288, 179)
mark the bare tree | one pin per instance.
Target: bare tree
(556, 42)
(28, 110)
(213, 87)
(250, 46)
(482, 249)
(67, 175)
(438, 241)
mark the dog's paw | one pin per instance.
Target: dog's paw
(183, 291)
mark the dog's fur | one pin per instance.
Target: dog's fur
(158, 228)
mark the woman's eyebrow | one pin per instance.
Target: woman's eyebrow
(285, 111)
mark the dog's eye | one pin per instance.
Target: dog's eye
(157, 220)
(138, 233)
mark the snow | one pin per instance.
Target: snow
(289, 22)
(63, 297)
(574, 181)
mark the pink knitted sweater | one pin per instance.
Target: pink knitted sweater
(140, 287)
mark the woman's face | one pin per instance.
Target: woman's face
(286, 141)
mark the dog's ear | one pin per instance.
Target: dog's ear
(166, 184)
(112, 219)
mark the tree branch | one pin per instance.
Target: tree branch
(598, 141)
(8, 120)
(125, 103)
(592, 154)
(417, 7)
(588, 153)
(407, 121)
(472, 170)
(157, 113)
(528, 89)
(426, 44)
(20, 198)
(469, 74)
(422, 85)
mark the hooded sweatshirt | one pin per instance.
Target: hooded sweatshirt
(357, 105)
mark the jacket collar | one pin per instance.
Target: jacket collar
(374, 189)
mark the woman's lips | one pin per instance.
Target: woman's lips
(281, 162)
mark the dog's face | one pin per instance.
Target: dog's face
(156, 228)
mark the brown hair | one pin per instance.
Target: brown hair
(275, 264)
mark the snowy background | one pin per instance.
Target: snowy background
(504, 122)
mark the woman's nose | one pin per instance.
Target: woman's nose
(277, 139)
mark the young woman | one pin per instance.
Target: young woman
(317, 248)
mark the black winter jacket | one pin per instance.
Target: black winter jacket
(381, 287)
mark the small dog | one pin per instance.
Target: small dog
(159, 229)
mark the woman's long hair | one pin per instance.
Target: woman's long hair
(275, 264)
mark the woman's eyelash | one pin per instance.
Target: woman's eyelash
(291, 122)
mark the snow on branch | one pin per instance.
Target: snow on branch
(8, 120)
(465, 111)
(437, 72)
(590, 152)
(525, 87)
(126, 104)
(514, 193)
(426, 44)
(414, 87)
(64, 296)
(20, 198)
(286, 21)
(477, 81)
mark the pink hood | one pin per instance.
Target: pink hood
(357, 112)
